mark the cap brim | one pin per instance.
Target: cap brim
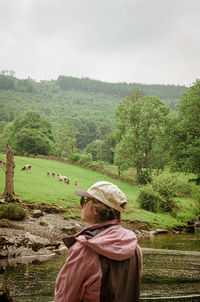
(82, 193)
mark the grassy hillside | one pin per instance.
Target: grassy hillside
(35, 187)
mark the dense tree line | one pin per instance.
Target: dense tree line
(120, 89)
(164, 92)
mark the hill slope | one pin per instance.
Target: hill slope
(72, 98)
(35, 187)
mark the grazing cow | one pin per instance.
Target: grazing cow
(60, 177)
(66, 180)
(53, 174)
(48, 173)
(26, 168)
(75, 182)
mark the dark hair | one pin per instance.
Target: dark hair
(105, 212)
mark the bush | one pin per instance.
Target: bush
(183, 188)
(165, 185)
(85, 159)
(143, 179)
(196, 193)
(82, 159)
(75, 156)
(12, 212)
(168, 205)
(149, 199)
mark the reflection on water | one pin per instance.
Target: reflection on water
(183, 242)
(32, 282)
(168, 271)
(165, 273)
(171, 275)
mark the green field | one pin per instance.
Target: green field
(35, 187)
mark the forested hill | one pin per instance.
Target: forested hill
(163, 92)
(88, 103)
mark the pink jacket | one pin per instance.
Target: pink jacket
(85, 275)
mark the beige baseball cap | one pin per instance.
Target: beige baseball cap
(106, 192)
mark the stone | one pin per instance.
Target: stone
(153, 233)
(161, 231)
(12, 250)
(37, 213)
(4, 252)
(69, 230)
(197, 225)
(36, 239)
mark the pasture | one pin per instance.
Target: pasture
(36, 188)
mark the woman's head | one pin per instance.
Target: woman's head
(110, 206)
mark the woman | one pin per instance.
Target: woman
(104, 261)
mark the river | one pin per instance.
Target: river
(171, 272)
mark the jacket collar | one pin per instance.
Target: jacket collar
(70, 240)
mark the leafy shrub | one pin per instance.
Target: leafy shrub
(183, 188)
(143, 179)
(165, 185)
(82, 159)
(195, 193)
(168, 205)
(75, 156)
(12, 212)
(85, 159)
(149, 199)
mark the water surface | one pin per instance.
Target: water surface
(183, 242)
(167, 272)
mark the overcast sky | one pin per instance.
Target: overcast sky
(143, 41)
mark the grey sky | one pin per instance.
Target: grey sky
(144, 41)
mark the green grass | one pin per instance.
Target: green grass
(129, 174)
(35, 187)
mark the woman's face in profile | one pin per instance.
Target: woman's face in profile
(88, 212)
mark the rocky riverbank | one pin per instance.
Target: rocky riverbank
(40, 234)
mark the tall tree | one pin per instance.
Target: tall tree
(108, 147)
(88, 131)
(94, 148)
(31, 133)
(65, 140)
(141, 133)
(185, 140)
